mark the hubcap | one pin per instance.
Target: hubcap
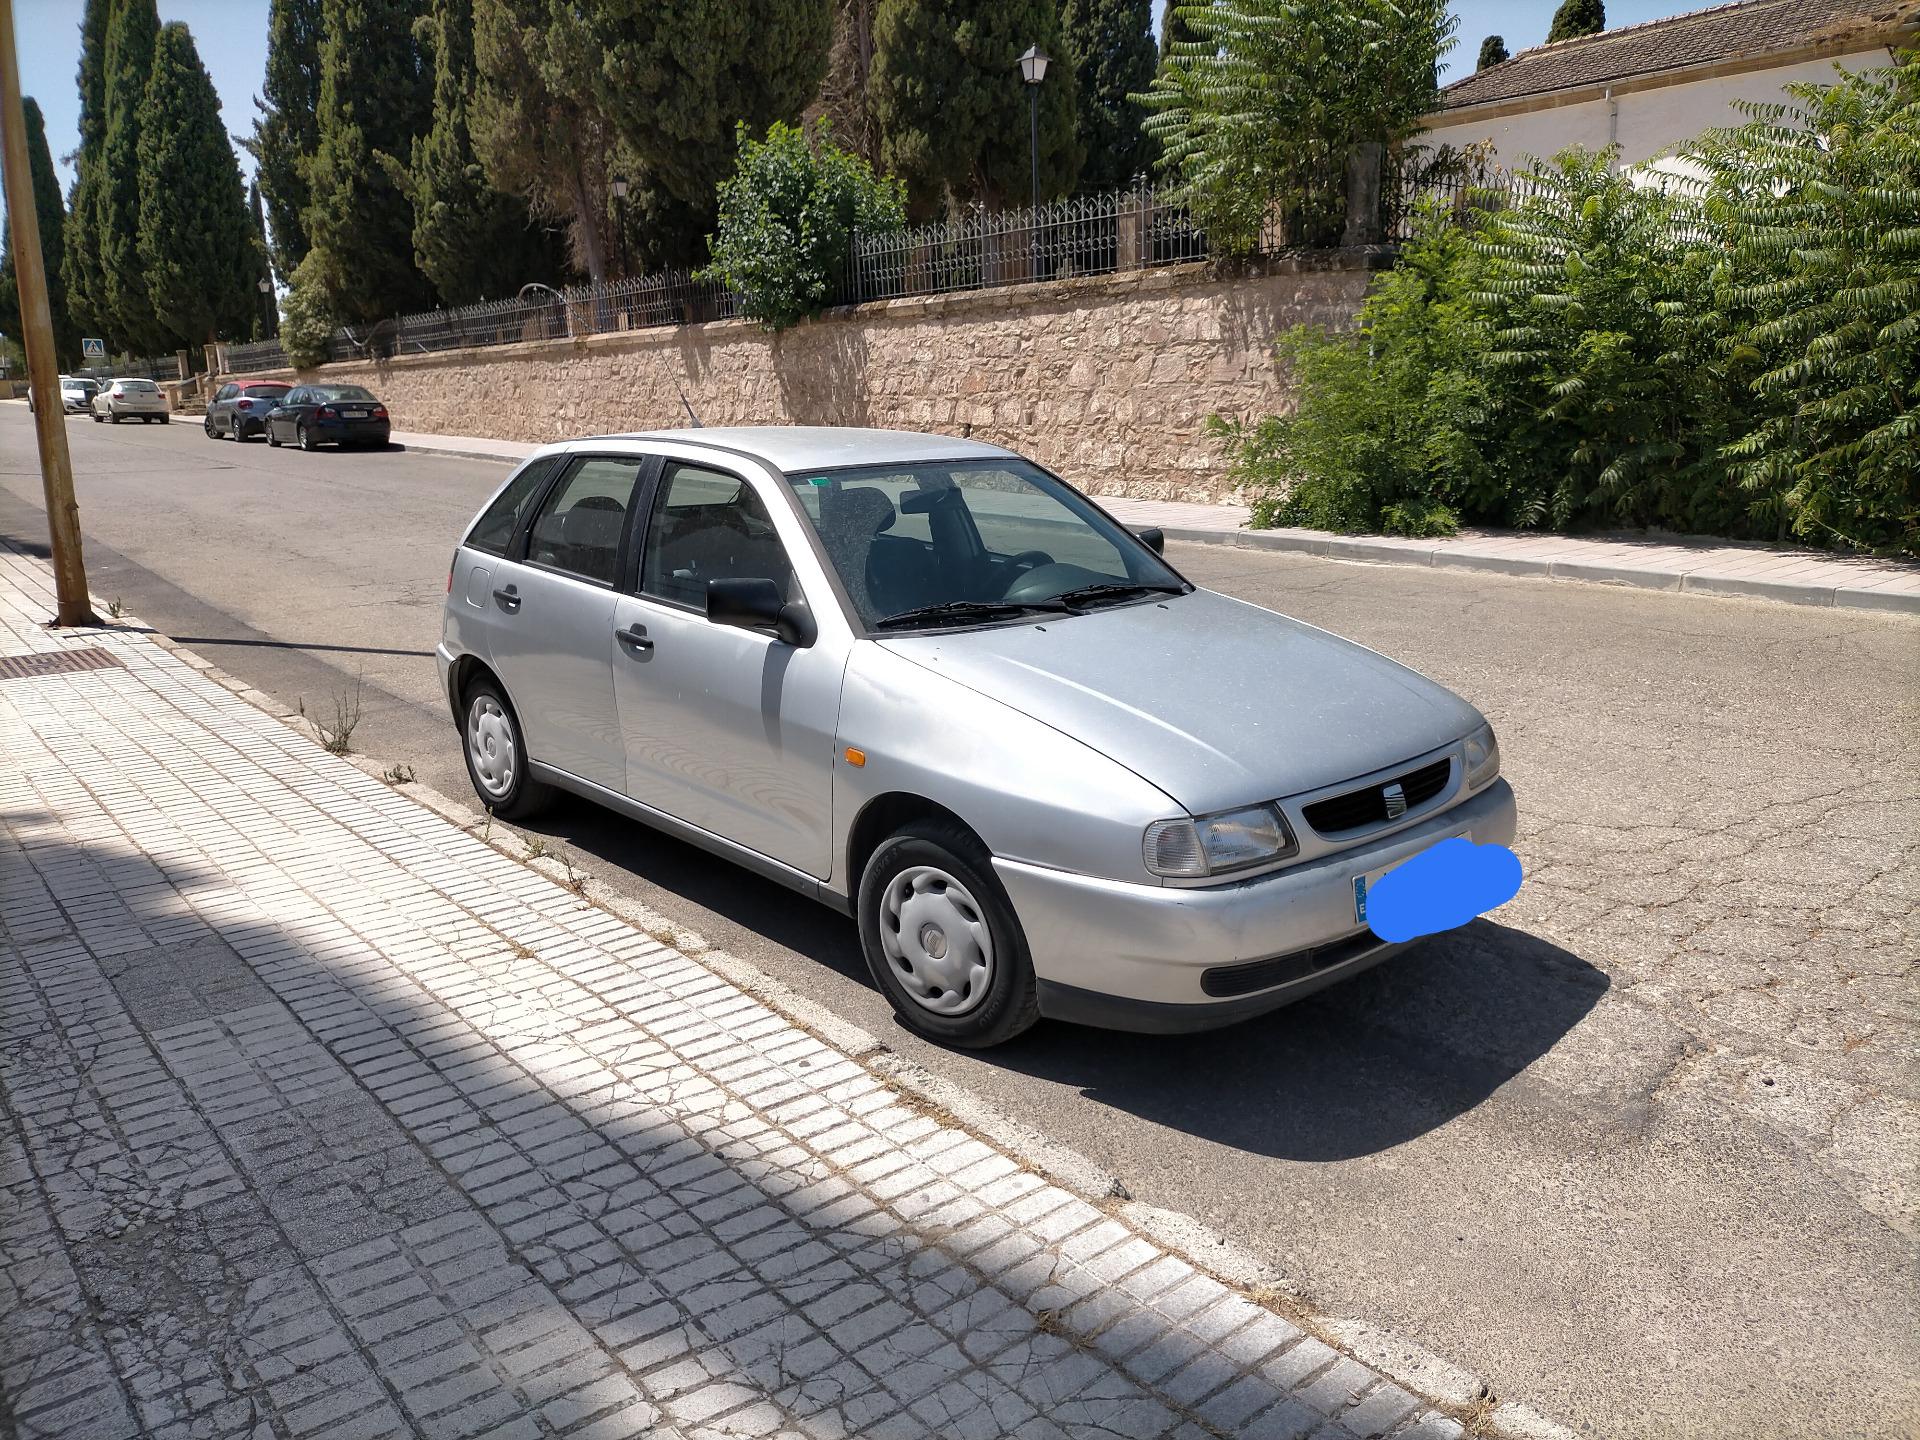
(491, 744)
(936, 938)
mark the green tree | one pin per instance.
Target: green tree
(1575, 18)
(540, 133)
(1114, 57)
(673, 79)
(287, 133)
(267, 317)
(1493, 50)
(1258, 118)
(787, 217)
(80, 258)
(842, 102)
(132, 32)
(1817, 206)
(469, 239)
(196, 239)
(53, 218)
(374, 96)
(306, 319)
(1173, 30)
(953, 109)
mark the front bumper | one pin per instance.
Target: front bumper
(1132, 956)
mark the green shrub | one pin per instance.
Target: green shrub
(1737, 355)
(306, 323)
(787, 218)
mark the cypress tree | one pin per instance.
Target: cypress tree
(288, 130)
(267, 320)
(53, 218)
(373, 96)
(1493, 50)
(131, 34)
(196, 240)
(469, 239)
(1110, 43)
(1575, 18)
(79, 260)
(952, 107)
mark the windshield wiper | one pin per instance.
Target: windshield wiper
(1115, 589)
(969, 610)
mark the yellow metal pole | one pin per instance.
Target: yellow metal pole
(36, 321)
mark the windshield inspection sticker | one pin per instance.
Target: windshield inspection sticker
(1440, 889)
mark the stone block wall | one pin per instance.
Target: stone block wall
(1107, 380)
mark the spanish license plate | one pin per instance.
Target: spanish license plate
(1361, 885)
(354, 414)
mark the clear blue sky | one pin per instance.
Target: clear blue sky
(232, 38)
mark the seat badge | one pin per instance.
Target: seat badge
(1396, 799)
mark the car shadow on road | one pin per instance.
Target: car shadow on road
(1358, 1068)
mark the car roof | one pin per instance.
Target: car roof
(813, 447)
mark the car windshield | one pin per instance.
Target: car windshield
(972, 542)
(342, 392)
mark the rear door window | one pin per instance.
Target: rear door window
(579, 526)
(494, 530)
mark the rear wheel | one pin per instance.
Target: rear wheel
(497, 756)
(273, 440)
(941, 939)
(307, 442)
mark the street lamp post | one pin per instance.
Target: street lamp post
(1033, 69)
(266, 305)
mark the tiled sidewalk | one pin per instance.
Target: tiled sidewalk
(1801, 577)
(321, 1117)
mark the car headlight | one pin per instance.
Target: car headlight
(1483, 757)
(1215, 844)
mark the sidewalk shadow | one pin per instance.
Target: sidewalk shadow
(1359, 1068)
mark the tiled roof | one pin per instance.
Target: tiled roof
(1701, 37)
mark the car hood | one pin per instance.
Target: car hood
(1217, 702)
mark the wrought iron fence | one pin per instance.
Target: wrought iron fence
(259, 355)
(1457, 196)
(1085, 235)
(153, 367)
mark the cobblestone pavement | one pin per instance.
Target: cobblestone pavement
(319, 1116)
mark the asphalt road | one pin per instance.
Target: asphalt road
(1641, 1148)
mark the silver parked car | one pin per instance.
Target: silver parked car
(140, 400)
(925, 681)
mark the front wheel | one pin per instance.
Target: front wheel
(207, 425)
(942, 941)
(497, 756)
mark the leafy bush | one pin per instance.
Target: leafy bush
(787, 218)
(1738, 354)
(306, 323)
(1258, 114)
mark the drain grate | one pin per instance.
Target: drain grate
(55, 662)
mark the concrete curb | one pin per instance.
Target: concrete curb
(1466, 1397)
(1377, 551)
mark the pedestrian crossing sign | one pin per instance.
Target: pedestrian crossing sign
(91, 349)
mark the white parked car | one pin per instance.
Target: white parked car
(76, 393)
(131, 400)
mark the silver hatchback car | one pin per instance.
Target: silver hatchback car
(925, 681)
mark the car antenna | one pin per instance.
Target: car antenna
(690, 415)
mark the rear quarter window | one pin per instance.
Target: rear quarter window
(493, 532)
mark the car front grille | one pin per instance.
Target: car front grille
(1224, 981)
(1357, 809)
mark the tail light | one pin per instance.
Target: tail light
(326, 412)
(379, 412)
(243, 404)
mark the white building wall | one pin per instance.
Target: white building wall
(1649, 121)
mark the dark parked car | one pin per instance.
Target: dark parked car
(239, 408)
(314, 415)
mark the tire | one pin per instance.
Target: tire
(98, 420)
(496, 754)
(166, 419)
(273, 440)
(959, 927)
(307, 442)
(207, 425)
(113, 417)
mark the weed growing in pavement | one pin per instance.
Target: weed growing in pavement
(398, 775)
(576, 882)
(486, 829)
(537, 848)
(337, 735)
(115, 609)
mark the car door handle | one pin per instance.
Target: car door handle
(636, 638)
(509, 598)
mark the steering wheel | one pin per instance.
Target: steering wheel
(1043, 582)
(1030, 559)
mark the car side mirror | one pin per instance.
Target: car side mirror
(1154, 538)
(757, 605)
